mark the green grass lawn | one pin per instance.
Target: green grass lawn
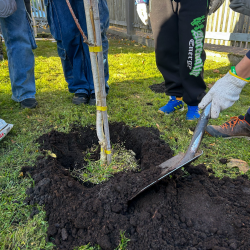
(132, 71)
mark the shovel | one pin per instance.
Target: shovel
(182, 159)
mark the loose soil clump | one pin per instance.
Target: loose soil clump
(158, 88)
(191, 210)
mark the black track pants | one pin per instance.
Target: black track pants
(179, 32)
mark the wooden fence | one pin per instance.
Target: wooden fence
(225, 27)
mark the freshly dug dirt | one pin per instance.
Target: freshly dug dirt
(188, 211)
(159, 88)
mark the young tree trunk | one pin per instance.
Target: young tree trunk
(96, 56)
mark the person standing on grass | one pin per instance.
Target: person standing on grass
(19, 41)
(73, 52)
(223, 95)
(179, 31)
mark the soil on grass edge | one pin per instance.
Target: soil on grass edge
(158, 88)
(191, 210)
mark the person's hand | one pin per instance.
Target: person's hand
(224, 93)
(142, 11)
(7, 8)
(215, 5)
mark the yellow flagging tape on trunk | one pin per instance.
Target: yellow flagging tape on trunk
(108, 152)
(100, 108)
(95, 49)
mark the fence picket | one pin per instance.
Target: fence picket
(219, 24)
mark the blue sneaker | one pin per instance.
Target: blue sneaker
(193, 113)
(172, 106)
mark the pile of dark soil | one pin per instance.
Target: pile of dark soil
(188, 211)
(158, 88)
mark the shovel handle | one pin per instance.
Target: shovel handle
(198, 134)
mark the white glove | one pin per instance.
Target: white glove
(142, 11)
(215, 5)
(223, 94)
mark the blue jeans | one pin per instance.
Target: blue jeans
(19, 40)
(73, 52)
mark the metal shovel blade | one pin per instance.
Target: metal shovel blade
(182, 159)
(169, 167)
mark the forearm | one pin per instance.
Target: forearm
(243, 67)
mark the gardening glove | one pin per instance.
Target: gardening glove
(7, 8)
(224, 93)
(142, 11)
(241, 6)
(215, 5)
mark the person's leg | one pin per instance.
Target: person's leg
(192, 25)
(73, 52)
(236, 127)
(19, 41)
(104, 20)
(28, 6)
(247, 116)
(164, 22)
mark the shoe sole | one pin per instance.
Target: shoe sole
(78, 102)
(163, 113)
(192, 119)
(230, 137)
(26, 107)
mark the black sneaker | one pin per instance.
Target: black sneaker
(92, 100)
(80, 98)
(29, 103)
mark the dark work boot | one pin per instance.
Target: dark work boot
(236, 127)
(29, 103)
(92, 100)
(80, 98)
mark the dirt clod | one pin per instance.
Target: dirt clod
(223, 161)
(159, 88)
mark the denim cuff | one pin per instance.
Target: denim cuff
(141, 1)
(22, 98)
(84, 91)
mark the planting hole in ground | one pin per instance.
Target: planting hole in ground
(189, 210)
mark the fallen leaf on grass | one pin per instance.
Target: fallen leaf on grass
(216, 71)
(21, 174)
(190, 132)
(212, 144)
(158, 126)
(242, 165)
